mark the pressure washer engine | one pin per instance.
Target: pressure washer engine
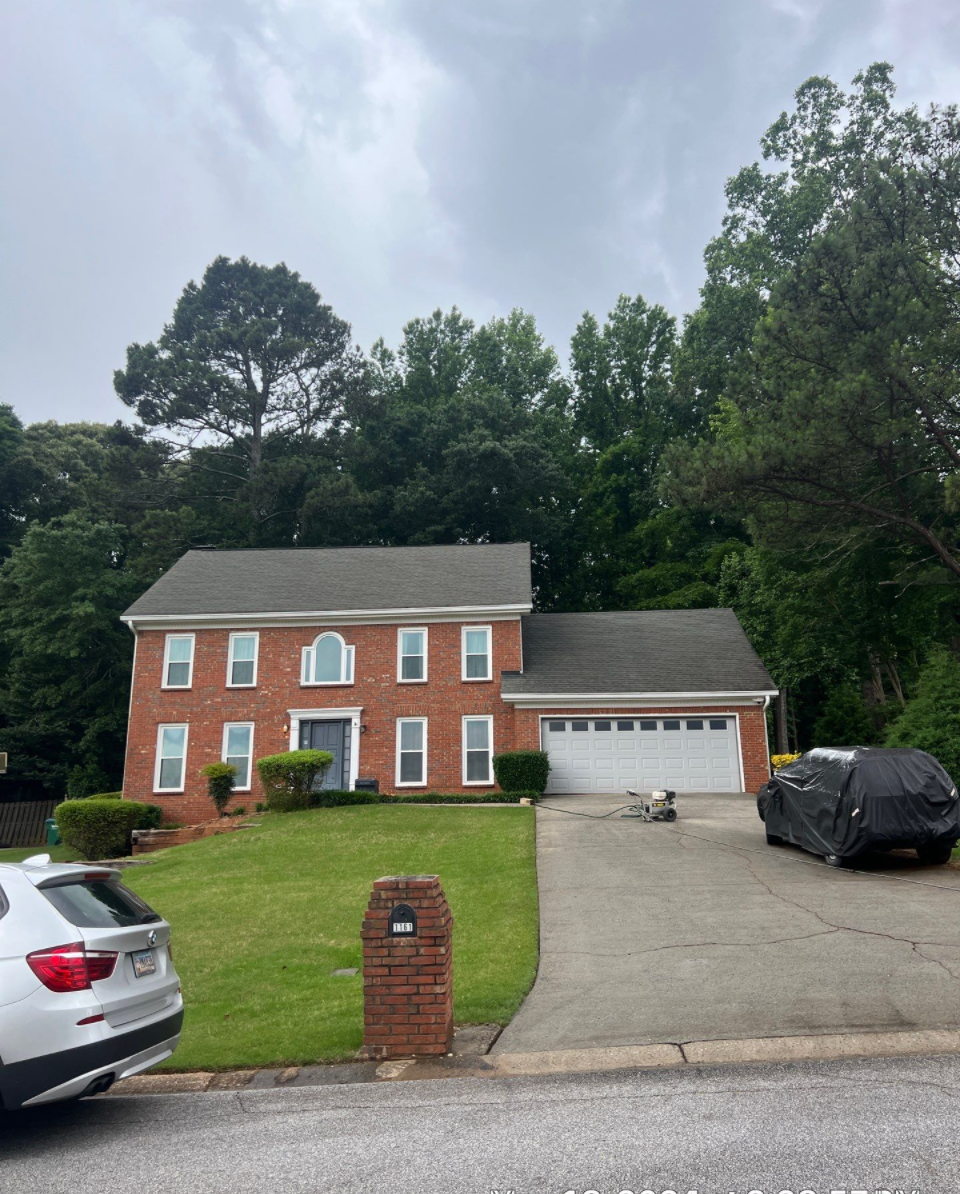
(658, 806)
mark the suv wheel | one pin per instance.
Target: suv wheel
(834, 860)
(935, 854)
(774, 839)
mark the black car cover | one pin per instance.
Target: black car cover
(845, 800)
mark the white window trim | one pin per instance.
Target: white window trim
(308, 653)
(255, 635)
(166, 661)
(171, 725)
(463, 655)
(420, 783)
(476, 783)
(401, 631)
(227, 726)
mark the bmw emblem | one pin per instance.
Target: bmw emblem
(152, 937)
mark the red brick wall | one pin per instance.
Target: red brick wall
(753, 731)
(444, 699)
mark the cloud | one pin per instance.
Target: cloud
(401, 154)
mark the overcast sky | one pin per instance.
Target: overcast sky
(402, 155)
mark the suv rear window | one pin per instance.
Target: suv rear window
(99, 905)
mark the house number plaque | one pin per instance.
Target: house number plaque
(402, 922)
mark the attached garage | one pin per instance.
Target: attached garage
(612, 754)
(643, 699)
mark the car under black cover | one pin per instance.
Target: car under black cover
(843, 801)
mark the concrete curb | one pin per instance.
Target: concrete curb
(664, 1055)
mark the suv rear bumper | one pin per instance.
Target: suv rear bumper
(67, 1074)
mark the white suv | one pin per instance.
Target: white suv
(88, 992)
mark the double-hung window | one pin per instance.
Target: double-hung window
(327, 661)
(171, 761)
(238, 751)
(475, 642)
(478, 750)
(411, 752)
(411, 655)
(178, 661)
(242, 660)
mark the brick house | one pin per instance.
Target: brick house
(414, 665)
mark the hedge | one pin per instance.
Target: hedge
(101, 828)
(288, 778)
(337, 798)
(522, 770)
(458, 797)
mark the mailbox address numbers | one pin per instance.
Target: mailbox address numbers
(402, 922)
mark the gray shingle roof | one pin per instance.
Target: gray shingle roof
(318, 580)
(637, 651)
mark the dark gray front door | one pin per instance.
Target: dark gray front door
(333, 736)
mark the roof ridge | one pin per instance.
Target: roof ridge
(357, 547)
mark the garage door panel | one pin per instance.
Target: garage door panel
(612, 754)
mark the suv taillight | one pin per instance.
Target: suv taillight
(71, 967)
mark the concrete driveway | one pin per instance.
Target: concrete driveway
(700, 931)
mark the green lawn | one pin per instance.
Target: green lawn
(57, 853)
(262, 916)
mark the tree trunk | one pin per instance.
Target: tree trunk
(780, 721)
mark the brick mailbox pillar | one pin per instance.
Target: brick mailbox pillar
(407, 968)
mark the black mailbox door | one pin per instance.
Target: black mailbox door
(402, 922)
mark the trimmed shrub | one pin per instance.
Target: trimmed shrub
(239, 811)
(219, 777)
(458, 797)
(102, 828)
(288, 779)
(337, 798)
(521, 770)
(931, 721)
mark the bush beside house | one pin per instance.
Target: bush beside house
(220, 779)
(100, 827)
(522, 770)
(288, 779)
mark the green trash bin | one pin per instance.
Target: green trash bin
(53, 833)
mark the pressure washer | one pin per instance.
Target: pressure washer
(658, 806)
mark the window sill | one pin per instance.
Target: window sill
(423, 681)
(175, 687)
(419, 784)
(240, 686)
(479, 783)
(477, 679)
(168, 791)
(327, 683)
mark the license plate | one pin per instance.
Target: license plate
(144, 963)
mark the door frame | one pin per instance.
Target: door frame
(604, 714)
(351, 715)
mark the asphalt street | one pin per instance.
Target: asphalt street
(869, 1125)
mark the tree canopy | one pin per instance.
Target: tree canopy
(790, 449)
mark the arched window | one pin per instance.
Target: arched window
(328, 661)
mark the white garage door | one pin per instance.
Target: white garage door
(688, 754)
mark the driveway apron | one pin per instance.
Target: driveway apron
(700, 931)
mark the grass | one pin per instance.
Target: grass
(57, 853)
(262, 916)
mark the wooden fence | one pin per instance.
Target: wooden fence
(22, 821)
